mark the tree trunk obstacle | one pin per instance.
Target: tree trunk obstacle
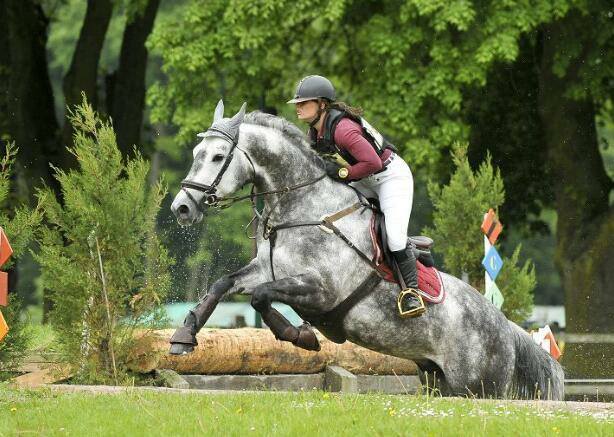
(256, 351)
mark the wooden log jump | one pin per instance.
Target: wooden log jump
(256, 351)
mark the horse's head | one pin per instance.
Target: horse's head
(217, 170)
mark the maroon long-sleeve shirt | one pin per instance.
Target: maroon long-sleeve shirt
(348, 136)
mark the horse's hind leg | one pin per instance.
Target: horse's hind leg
(433, 379)
(302, 292)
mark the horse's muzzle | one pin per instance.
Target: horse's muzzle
(185, 212)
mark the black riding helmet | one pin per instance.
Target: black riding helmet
(312, 88)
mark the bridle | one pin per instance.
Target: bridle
(211, 197)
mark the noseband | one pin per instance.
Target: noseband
(211, 198)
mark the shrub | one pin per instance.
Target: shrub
(100, 257)
(459, 208)
(517, 285)
(19, 228)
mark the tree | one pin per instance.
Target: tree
(29, 118)
(126, 93)
(571, 89)
(27, 108)
(27, 112)
(99, 253)
(459, 207)
(415, 65)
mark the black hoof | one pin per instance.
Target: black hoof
(307, 339)
(180, 349)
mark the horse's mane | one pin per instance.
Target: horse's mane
(288, 129)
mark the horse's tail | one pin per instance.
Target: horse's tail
(536, 374)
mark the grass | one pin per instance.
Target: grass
(42, 338)
(304, 414)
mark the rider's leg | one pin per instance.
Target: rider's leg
(301, 292)
(395, 189)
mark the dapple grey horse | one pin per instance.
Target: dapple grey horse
(463, 346)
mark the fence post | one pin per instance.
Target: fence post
(492, 262)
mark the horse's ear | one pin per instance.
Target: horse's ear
(237, 119)
(219, 111)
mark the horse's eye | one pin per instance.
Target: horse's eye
(218, 157)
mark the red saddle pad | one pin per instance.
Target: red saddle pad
(429, 280)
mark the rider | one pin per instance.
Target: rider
(367, 161)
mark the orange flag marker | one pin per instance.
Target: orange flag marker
(4, 328)
(5, 253)
(4, 289)
(5, 248)
(491, 226)
(545, 339)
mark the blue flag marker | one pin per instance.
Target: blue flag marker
(492, 262)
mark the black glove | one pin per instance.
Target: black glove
(332, 170)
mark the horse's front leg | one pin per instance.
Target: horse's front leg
(184, 338)
(303, 292)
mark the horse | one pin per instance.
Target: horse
(463, 346)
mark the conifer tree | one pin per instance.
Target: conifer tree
(100, 257)
(459, 209)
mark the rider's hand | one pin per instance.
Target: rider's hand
(333, 171)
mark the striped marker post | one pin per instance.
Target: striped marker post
(5, 253)
(492, 262)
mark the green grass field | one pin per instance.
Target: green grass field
(43, 412)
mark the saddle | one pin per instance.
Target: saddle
(429, 280)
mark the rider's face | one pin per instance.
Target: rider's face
(307, 111)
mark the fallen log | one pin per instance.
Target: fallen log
(256, 351)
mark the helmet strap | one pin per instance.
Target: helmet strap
(318, 115)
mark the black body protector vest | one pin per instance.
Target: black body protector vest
(326, 145)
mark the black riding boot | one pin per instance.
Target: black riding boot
(410, 303)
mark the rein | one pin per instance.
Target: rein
(213, 200)
(234, 199)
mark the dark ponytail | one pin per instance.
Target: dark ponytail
(354, 111)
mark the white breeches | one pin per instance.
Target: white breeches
(394, 188)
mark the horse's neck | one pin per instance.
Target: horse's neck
(281, 164)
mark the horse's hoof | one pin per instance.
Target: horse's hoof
(307, 338)
(180, 349)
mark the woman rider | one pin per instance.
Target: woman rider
(371, 166)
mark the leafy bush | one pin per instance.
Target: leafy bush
(19, 228)
(100, 257)
(459, 209)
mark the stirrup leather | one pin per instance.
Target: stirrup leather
(414, 312)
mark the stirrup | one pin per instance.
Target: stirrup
(411, 313)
